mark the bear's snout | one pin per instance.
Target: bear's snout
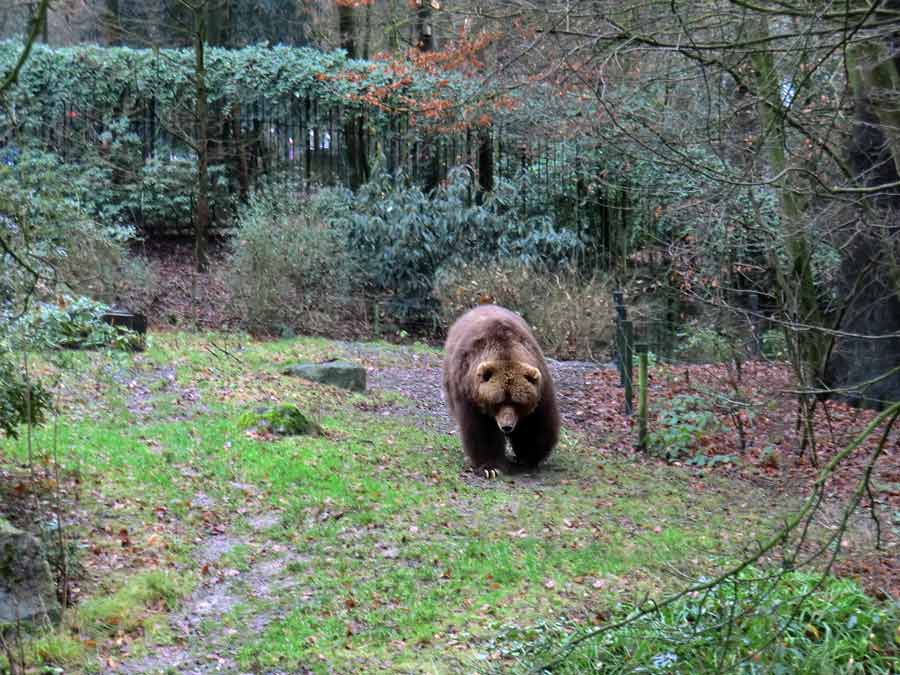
(507, 418)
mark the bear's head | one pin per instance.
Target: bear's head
(507, 390)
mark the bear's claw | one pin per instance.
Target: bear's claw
(489, 472)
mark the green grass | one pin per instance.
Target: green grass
(125, 610)
(384, 554)
(134, 611)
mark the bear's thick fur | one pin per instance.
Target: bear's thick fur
(497, 386)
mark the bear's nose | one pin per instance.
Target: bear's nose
(507, 429)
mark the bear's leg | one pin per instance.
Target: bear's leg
(535, 436)
(482, 440)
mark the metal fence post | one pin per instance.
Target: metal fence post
(643, 359)
(619, 304)
(628, 366)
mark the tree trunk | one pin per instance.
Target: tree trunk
(240, 152)
(354, 125)
(111, 25)
(808, 344)
(201, 213)
(485, 163)
(874, 77)
(393, 29)
(347, 29)
(796, 274)
(425, 43)
(424, 28)
(218, 23)
(367, 35)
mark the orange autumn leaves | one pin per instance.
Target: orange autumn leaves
(451, 100)
(443, 109)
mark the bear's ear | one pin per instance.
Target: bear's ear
(485, 371)
(532, 374)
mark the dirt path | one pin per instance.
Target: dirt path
(205, 640)
(420, 381)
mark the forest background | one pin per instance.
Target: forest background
(371, 169)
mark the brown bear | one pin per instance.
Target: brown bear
(498, 387)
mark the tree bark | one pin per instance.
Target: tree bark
(424, 29)
(347, 29)
(425, 43)
(367, 35)
(354, 125)
(874, 77)
(201, 207)
(807, 343)
(112, 26)
(485, 163)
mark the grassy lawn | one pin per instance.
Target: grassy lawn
(367, 549)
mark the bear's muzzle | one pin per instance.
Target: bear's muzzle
(507, 418)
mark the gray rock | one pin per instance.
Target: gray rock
(338, 373)
(27, 591)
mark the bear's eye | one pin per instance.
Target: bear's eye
(486, 374)
(531, 377)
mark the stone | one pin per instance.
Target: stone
(27, 590)
(285, 420)
(337, 373)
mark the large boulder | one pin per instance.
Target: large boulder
(27, 591)
(337, 373)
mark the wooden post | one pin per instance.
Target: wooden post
(642, 395)
(627, 365)
(376, 320)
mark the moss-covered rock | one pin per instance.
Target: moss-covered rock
(285, 420)
(27, 591)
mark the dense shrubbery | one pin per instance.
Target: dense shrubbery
(294, 259)
(112, 186)
(125, 117)
(753, 623)
(49, 239)
(289, 269)
(120, 188)
(22, 400)
(403, 237)
(62, 222)
(94, 82)
(45, 222)
(70, 323)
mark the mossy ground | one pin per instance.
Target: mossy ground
(367, 549)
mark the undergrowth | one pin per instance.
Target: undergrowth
(382, 554)
(757, 622)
